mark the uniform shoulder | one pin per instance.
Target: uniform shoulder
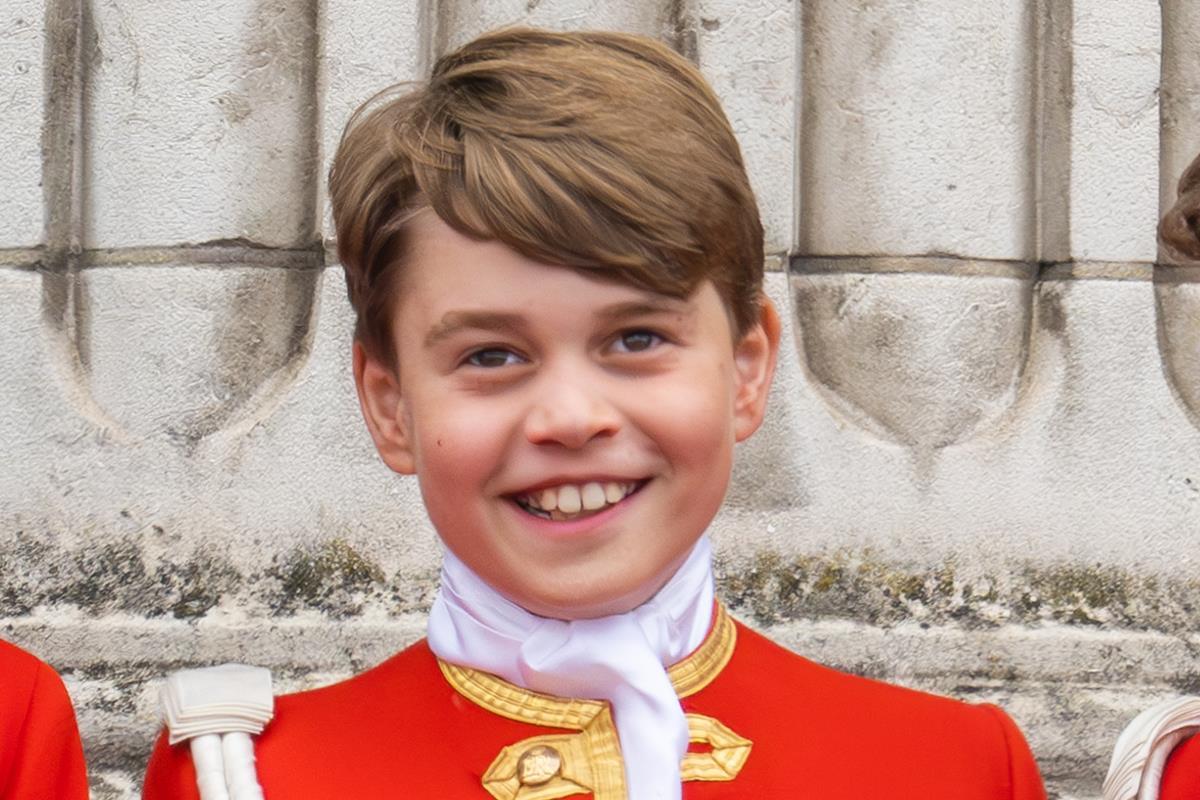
(24, 676)
(1181, 778)
(19, 668)
(40, 751)
(303, 719)
(962, 744)
(815, 681)
(413, 666)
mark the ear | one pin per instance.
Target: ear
(754, 359)
(383, 410)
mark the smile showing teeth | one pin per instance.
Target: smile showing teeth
(571, 501)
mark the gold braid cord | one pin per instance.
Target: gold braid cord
(1179, 230)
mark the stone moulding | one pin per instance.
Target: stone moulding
(180, 351)
(925, 352)
(1177, 304)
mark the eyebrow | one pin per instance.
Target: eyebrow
(643, 308)
(453, 322)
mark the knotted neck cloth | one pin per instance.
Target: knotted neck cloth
(621, 658)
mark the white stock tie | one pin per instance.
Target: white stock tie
(620, 658)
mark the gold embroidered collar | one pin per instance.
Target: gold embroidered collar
(589, 759)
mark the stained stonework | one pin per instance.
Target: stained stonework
(980, 468)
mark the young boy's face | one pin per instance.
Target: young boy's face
(572, 437)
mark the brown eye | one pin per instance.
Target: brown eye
(492, 358)
(637, 341)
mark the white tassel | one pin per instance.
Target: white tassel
(209, 763)
(240, 776)
(218, 709)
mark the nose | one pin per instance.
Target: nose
(570, 409)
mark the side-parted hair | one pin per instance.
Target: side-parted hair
(602, 152)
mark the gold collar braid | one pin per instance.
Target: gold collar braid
(589, 760)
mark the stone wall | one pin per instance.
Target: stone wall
(981, 470)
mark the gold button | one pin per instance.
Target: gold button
(537, 765)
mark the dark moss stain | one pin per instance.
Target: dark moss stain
(331, 577)
(336, 580)
(860, 587)
(193, 587)
(1186, 683)
(412, 592)
(112, 576)
(32, 573)
(1081, 595)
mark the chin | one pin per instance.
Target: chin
(571, 603)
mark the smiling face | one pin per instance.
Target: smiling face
(572, 437)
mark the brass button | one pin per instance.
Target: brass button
(537, 765)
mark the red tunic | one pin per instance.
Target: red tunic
(40, 754)
(414, 727)
(1181, 778)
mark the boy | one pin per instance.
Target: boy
(556, 261)
(40, 754)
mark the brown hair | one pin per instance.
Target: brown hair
(1180, 227)
(599, 151)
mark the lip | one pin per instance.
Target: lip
(569, 528)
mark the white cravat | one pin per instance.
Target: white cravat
(620, 658)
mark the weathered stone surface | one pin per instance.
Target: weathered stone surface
(22, 110)
(459, 21)
(103, 470)
(901, 155)
(365, 47)
(190, 350)
(747, 50)
(926, 360)
(1178, 297)
(201, 126)
(1091, 464)
(1116, 52)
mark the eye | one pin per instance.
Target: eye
(492, 357)
(636, 341)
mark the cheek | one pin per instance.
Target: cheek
(695, 421)
(457, 442)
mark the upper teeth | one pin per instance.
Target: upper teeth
(571, 498)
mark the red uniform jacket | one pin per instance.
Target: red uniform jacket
(40, 754)
(765, 723)
(1181, 778)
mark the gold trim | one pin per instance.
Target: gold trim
(502, 779)
(689, 676)
(702, 667)
(592, 757)
(521, 705)
(725, 760)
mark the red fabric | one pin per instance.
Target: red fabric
(1181, 778)
(401, 730)
(40, 754)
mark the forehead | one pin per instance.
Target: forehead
(445, 269)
